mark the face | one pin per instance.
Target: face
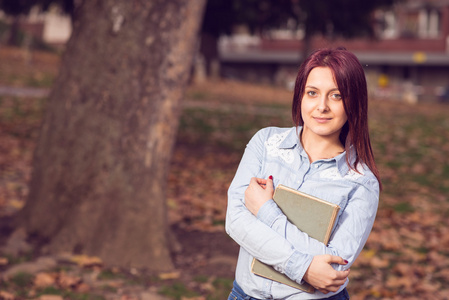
(322, 106)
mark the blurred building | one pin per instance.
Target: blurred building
(52, 27)
(408, 60)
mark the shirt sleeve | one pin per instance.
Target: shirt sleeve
(351, 231)
(251, 233)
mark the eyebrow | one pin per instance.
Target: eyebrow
(312, 87)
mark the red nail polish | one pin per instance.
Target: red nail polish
(271, 177)
(346, 261)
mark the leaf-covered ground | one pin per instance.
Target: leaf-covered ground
(407, 254)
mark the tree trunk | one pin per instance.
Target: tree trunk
(99, 174)
(209, 49)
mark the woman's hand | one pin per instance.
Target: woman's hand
(257, 193)
(323, 276)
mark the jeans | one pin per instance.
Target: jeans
(238, 294)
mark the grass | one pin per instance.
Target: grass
(226, 128)
(22, 280)
(177, 291)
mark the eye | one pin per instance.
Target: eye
(336, 96)
(311, 93)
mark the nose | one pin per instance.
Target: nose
(322, 105)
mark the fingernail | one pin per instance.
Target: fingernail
(346, 261)
(271, 177)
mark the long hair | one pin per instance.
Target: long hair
(350, 78)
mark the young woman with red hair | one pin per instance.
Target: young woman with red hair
(328, 155)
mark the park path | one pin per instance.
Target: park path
(24, 92)
(248, 108)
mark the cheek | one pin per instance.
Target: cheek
(306, 107)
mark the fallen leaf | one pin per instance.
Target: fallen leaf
(43, 280)
(6, 295)
(83, 288)
(428, 287)
(399, 282)
(170, 275)
(377, 262)
(68, 281)
(50, 297)
(86, 261)
(3, 261)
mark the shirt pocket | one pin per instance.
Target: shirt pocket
(282, 173)
(333, 191)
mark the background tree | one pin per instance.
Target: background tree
(222, 16)
(17, 8)
(100, 166)
(332, 19)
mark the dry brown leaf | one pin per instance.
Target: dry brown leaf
(128, 297)
(3, 261)
(83, 288)
(399, 282)
(413, 255)
(170, 275)
(43, 280)
(51, 297)
(428, 287)
(403, 269)
(375, 292)
(6, 295)
(444, 274)
(377, 262)
(437, 259)
(442, 294)
(86, 261)
(68, 281)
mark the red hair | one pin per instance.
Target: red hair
(350, 78)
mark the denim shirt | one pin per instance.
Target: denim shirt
(270, 237)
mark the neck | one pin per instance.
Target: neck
(318, 147)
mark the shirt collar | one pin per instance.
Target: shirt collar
(292, 139)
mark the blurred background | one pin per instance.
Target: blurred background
(241, 80)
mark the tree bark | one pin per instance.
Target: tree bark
(101, 163)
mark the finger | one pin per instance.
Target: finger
(253, 180)
(338, 283)
(337, 260)
(254, 184)
(270, 185)
(261, 181)
(330, 288)
(342, 275)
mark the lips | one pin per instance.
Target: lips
(322, 120)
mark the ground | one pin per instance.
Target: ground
(406, 255)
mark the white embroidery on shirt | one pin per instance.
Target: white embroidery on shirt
(272, 146)
(331, 173)
(334, 174)
(355, 175)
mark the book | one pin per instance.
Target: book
(311, 215)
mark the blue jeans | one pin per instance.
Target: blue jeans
(238, 294)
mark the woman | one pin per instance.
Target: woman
(328, 155)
